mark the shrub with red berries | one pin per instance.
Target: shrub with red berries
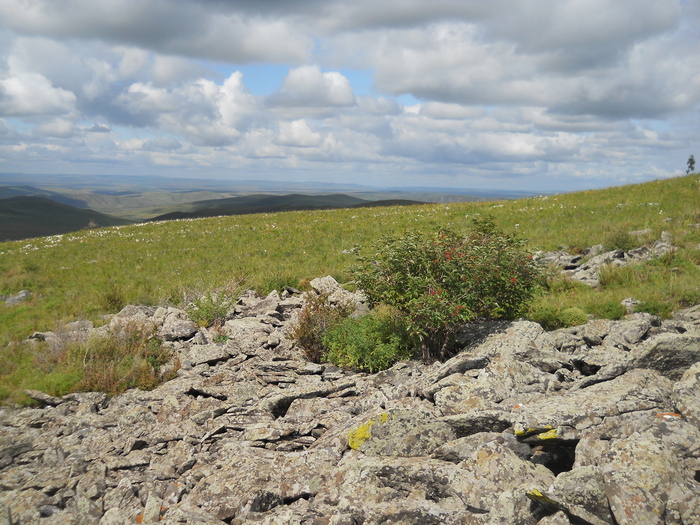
(444, 279)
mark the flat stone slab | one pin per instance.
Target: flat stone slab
(400, 433)
(570, 415)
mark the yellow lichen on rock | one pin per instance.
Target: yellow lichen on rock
(363, 432)
(537, 496)
(530, 431)
(550, 434)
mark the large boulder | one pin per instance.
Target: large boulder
(400, 433)
(639, 474)
(669, 354)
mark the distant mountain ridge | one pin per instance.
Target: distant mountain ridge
(7, 192)
(273, 203)
(24, 217)
(118, 184)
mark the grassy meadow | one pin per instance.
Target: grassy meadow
(87, 274)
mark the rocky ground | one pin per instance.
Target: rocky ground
(596, 424)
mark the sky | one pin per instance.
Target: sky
(536, 95)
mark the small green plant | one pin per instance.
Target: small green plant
(552, 317)
(131, 357)
(573, 317)
(317, 316)
(545, 314)
(610, 275)
(558, 283)
(372, 342)
(660, 308)
(442, 280)
(210, 309)
(112, 297)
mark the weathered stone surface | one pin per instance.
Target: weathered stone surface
(685, 395)
(400, 433)
(41, 397)
(477, 421)
(226, 491)
(114, 516)
(512, 507)
(19, 297)
(269, 303)
(670, 354)
(572, 414)
(559, 518)
(587, 270)
(583, 487)
(461, 449)
(493, 468)
(399, 490)
(209, 353)
(574, 513)
(325, 285)
(249, 432)
(639, 473)
(176, 326)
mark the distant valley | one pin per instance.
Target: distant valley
(40, 205)
(38, 214)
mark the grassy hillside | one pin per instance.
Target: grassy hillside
(31, 216)
(85, 274)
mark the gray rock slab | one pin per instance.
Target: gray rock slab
(479, 420)
(686, 395)
(669, 354)
(400, 433)
(583, 487)
(570, 415)
(639, 473)
(211, 353)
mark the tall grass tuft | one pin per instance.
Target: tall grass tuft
(112, 362)
(131, 357)
(621, 239)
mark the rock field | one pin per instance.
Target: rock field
(596, 424)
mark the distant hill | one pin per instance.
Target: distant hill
(31, 216)
(7, 192)
(272, 203)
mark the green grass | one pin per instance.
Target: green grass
(86, 274)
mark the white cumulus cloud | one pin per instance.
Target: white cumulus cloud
(308, 86)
